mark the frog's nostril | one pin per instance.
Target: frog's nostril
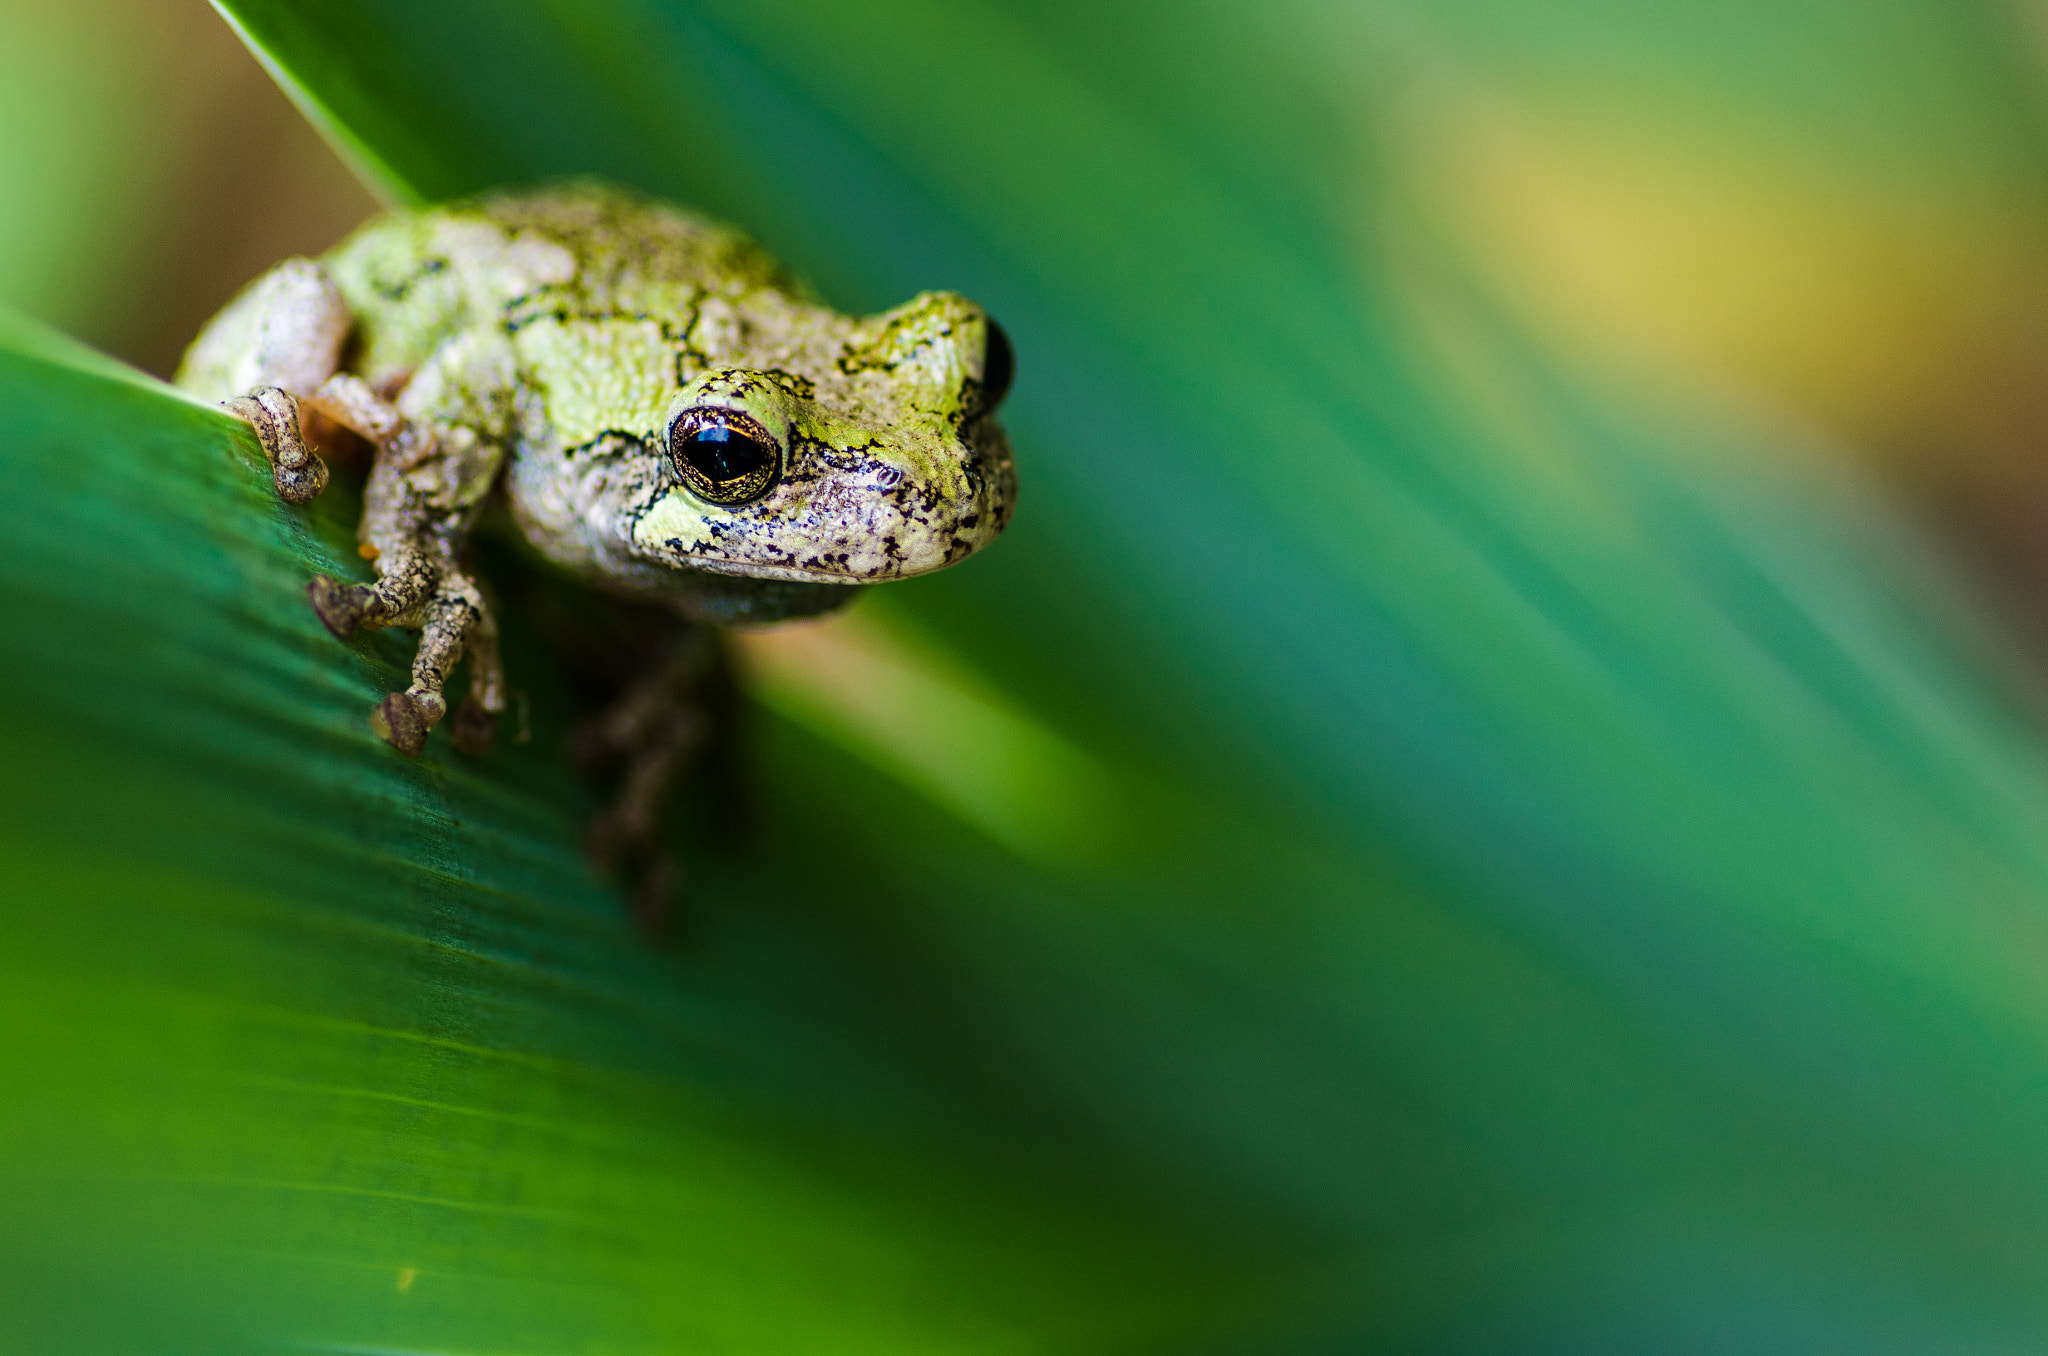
(998, 365)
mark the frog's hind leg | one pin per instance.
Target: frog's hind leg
(654, 733)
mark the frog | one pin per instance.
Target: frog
(654, 405)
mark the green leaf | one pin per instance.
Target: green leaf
(348, 1049)
(1563, 881)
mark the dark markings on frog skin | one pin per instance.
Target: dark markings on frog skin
(854, 361)
(610, 435)
(517, 318)
(743, 384)
(970, 404)
(401, 289)
(803, 388)
(689, 360)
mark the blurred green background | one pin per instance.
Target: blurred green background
(1493, 800)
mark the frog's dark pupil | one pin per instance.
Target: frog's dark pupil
(998, 365)
(721, 456)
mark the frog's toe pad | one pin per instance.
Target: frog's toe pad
(301, 484)
(402, 723)
(274, 413)
(339, 606)
(473, 729)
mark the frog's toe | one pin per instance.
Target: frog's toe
(274, 413)
(473, 728)
(301, 484)
(654, 894)
(402, 721)
(630, 852)
(340, 607)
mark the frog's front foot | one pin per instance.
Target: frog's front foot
(274, 414)
(454, 623)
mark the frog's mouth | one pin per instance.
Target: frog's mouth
(682, 532)
(793, 574)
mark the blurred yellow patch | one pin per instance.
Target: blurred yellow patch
(1885, 302)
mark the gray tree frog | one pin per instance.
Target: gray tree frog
(662, 408)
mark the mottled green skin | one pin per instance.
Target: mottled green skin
(663, 410)
(556, 335)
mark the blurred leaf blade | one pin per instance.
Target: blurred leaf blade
(349, 1049)
(1585, 897)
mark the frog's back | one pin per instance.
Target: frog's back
(413, 279)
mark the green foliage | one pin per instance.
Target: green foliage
(1561, 884)
(307, 1020)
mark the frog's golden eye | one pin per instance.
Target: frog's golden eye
(998, 365)
(723, 456)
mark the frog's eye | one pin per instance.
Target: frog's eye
(723, 457)
(998, 365)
